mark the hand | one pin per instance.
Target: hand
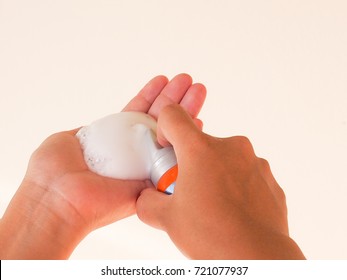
(61, 200)
(226, 204)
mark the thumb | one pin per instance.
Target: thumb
(152, 208)
(175, 126)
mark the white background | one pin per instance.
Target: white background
(275, 71)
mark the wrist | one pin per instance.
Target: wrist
(40, 224)
(273, 246)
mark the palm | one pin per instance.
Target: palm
(59, 163)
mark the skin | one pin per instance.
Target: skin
(226, 204)
(60, 201)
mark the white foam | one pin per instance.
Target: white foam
(119, 145)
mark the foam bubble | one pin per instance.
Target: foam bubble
(119, 145)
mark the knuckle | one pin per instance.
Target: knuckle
(281, 194)
(265, 165)
(243, 146)
(243, 142)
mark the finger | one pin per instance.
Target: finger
(173, 93)
(152, 207)
(176, 127)
(143, 101)
(194, 99)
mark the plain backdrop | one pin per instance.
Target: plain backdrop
(275, 71)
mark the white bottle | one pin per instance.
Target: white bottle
(124, 146)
